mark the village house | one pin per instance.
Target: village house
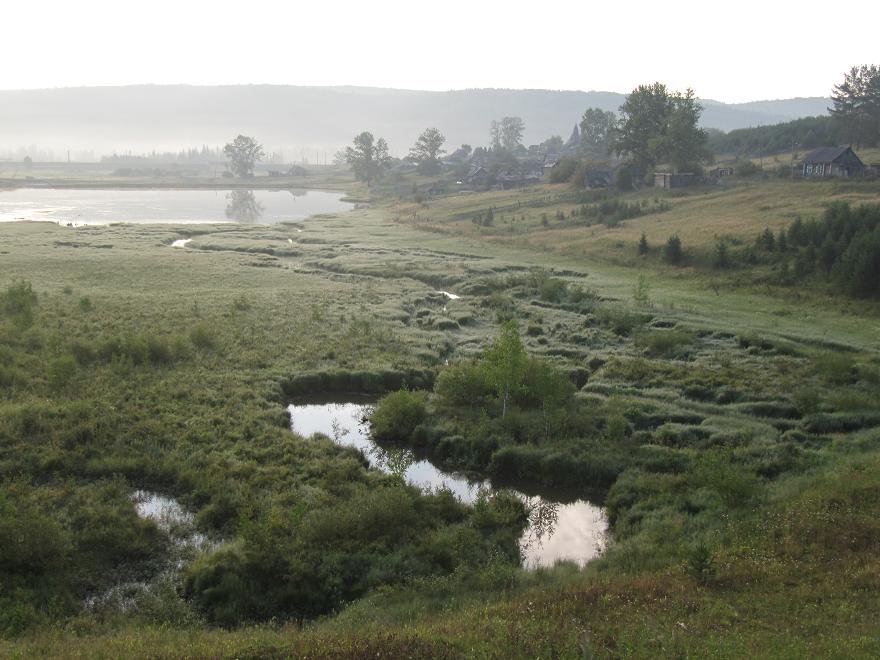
(476, 176)
(832, 161)
(670, 181)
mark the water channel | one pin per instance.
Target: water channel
(571, 531)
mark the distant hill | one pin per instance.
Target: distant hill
(160, 117)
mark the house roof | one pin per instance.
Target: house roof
(825, 154)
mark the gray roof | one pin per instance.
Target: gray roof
(825, 154)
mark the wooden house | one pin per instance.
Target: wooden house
(832, 161)
(476, 176)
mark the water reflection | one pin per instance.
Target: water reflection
(100, 207)
(573, 531)
(243, 206)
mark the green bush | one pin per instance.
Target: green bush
(464, 385)
(18, 303)
(61, 371)
(664, 343)
(396, 415)
(203, 337)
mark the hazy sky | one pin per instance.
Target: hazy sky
(738, 50)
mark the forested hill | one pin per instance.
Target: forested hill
(145, 117)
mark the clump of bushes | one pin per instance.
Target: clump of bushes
(397, 415)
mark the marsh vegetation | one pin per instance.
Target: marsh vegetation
(728, 428)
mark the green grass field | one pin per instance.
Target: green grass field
(744, 518)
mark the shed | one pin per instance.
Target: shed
(832, 161)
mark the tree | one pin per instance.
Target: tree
(427, 150)
(507, 134)
(506, 363)
(856, 106)
(553, 144)
(684, 143)
(368, 157)
(673, 252)
(643, 118)
(597, 132)
(574, 140)
(643, 246)
(659, 126)
(243, 153)
(462, 153)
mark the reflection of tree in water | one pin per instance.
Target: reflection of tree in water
(395, 461)
(243, 206)
(543, 516)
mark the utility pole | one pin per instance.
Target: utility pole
(793, 145)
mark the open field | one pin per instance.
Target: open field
(699, 216)
(744, 503)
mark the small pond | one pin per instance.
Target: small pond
(573, 531)
(186, 543)
(101, 207)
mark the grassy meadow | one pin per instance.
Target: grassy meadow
(730, 428)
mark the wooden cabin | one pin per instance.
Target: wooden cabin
(827, 162)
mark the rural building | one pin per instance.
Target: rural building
(551, 161)
(832, 161)
(597, 178)
(722, 172)
(670, 181)
(476, 176)
(508, 180)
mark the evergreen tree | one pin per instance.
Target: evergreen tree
(673, 253)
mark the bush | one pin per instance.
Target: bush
(666, 343)
(623, 180)
(563, 170)
(397, 415)
(203, 337)
(61, 371)
(463, 385)
(18, 302)
(746, 169)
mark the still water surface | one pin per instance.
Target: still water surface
(101, 207)
(573, 531)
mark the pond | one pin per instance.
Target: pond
(101, 207)
(572, 531)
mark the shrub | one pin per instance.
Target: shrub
(61, 371)
(746, 169)
(666, 343)
(623, 180)
(563, 170)
(396, 415)
(203, 337)
(18, 302)
(463, 385)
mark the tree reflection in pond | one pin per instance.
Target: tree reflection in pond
(543, 516)
(396, 460)
(243, 206)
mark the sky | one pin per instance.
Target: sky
(734, 51)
